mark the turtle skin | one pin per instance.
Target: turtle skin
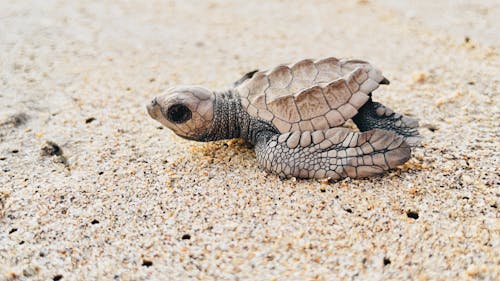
(293, 114)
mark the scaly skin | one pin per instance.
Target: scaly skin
(334, 153)
(231, 121)
(373, 115)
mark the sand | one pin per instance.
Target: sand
(91, 188)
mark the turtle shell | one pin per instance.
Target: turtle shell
(310, 95)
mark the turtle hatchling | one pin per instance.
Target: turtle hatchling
(293, 115)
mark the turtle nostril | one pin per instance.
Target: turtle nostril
(151, 108)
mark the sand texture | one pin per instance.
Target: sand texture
(91, 188)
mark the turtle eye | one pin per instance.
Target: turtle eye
(178, 113)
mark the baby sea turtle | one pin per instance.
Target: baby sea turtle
(293, 114)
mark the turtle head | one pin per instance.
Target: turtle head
(186, 110)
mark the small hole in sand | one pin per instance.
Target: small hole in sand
(17, 119)
(387, 261)
(186, 237)
(51, 149)
(57, 277)
(94, 221)
(147, 263)
(89, 120)
(15, 151)
(412, 215)
(347, 208)
(12, 230)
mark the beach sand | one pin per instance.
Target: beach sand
(92, 188)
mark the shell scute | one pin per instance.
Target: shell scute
(260, 83)
(282, 126)
(337, 93)
(347, 111)
(359, 99)
(328, 70)
(259, 102)
(304, 70)
(375, 75)
(280, 77)
(368, 86)
(285, 109)
(328, 65)
(306, 126)
(320, 123)
(311, 103)
(360, 75)
(347, 66)
(334, 118)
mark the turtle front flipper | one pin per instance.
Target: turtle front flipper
(374, 115)
(335, 153)
(245, 77)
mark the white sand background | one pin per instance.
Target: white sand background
(130, 201)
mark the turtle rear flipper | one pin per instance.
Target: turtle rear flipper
(335, 153)
(374, 115)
